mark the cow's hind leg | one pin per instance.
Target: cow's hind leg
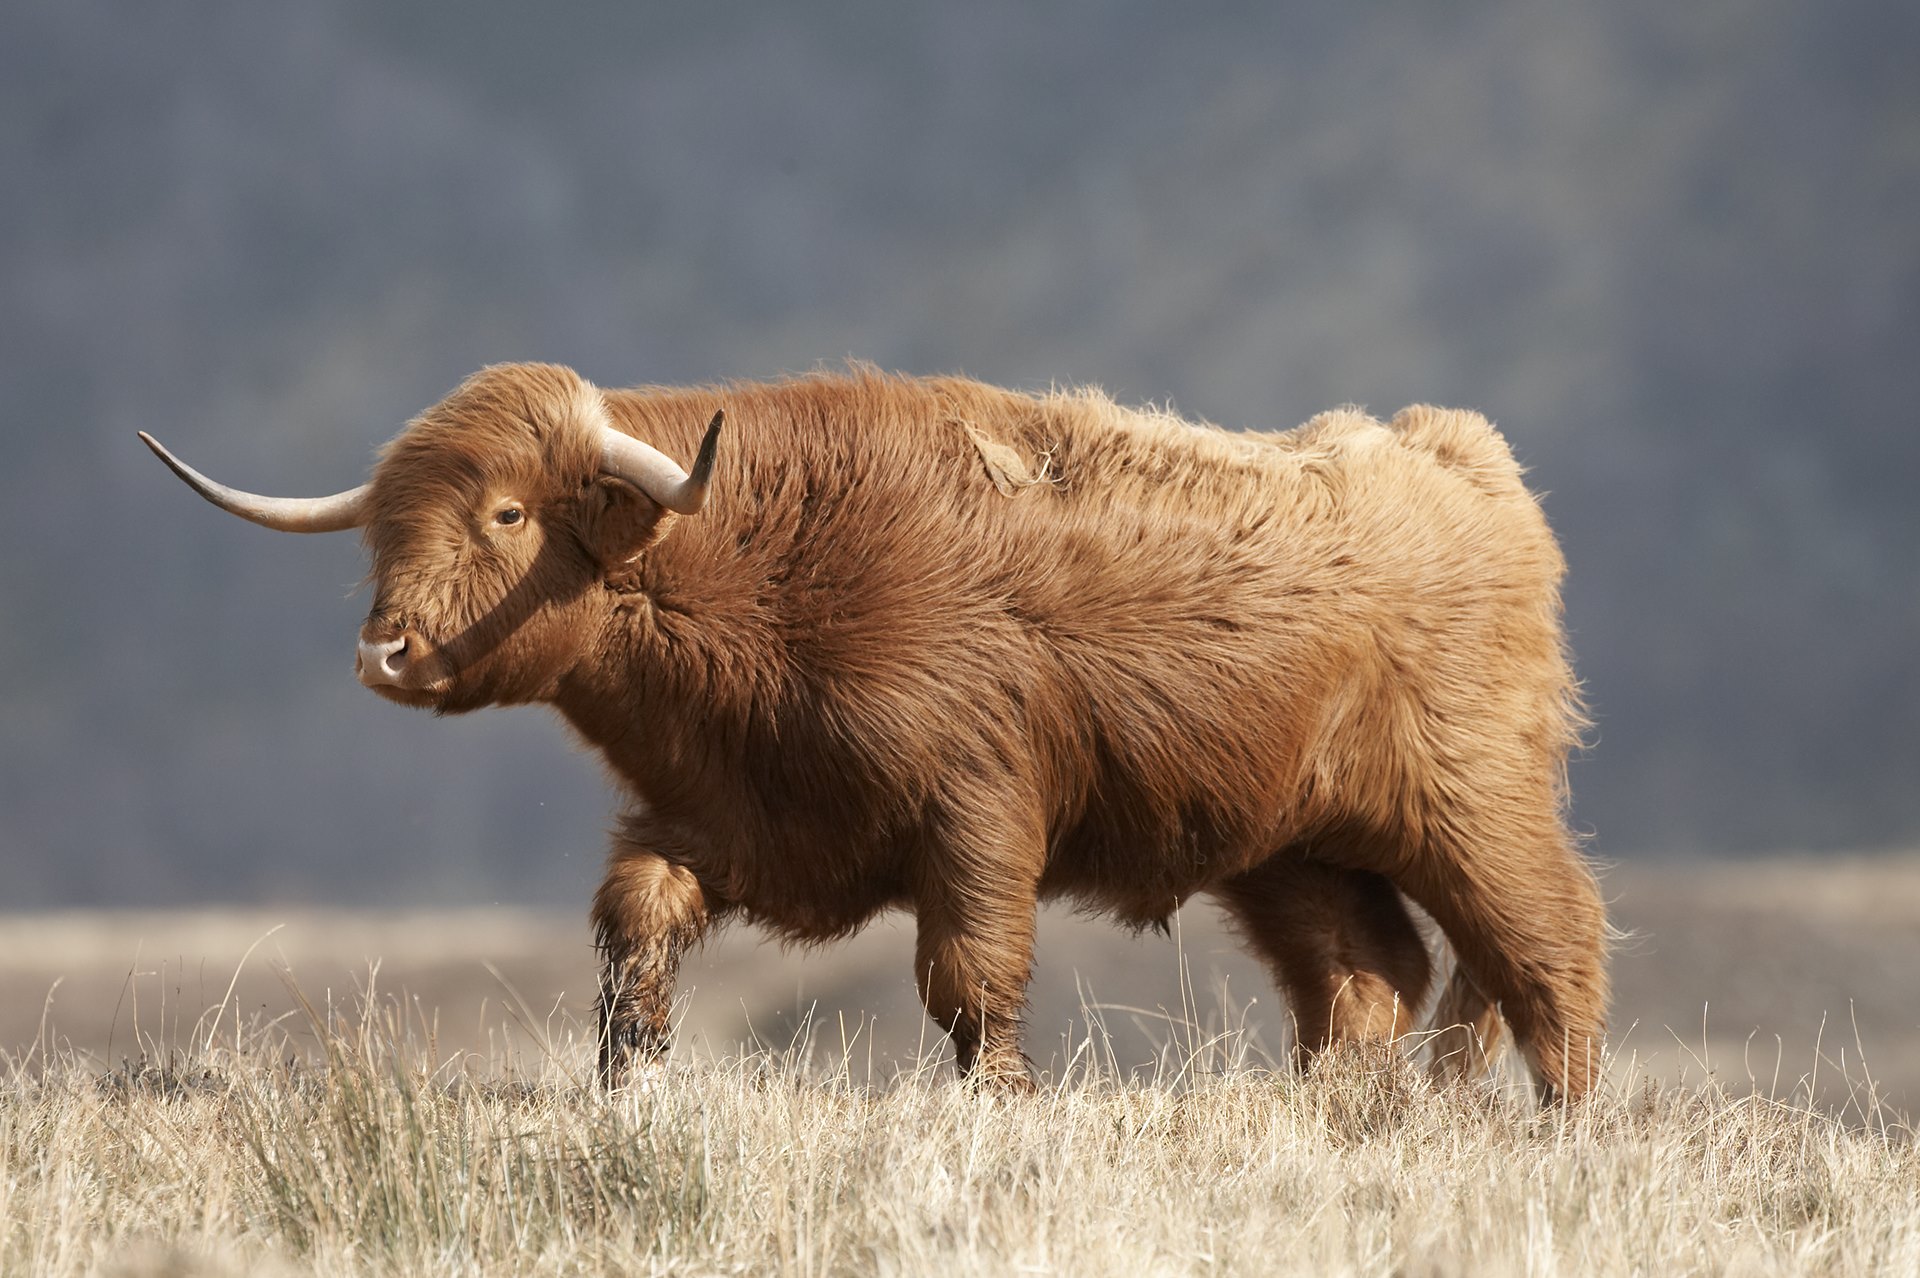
(1524, 915)
(1341, 946)
(647, 912)
(1467, 1030)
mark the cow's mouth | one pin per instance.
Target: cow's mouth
(422, 698)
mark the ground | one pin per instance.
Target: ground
(1728, 967)
(448, 1127)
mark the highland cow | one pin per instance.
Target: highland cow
(937, 646)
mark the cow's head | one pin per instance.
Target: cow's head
(492, 521)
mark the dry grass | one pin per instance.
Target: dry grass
(342, 1145)
(453, 1131)
(1759, 973)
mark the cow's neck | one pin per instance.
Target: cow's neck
(672, 675)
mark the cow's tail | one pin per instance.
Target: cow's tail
(1467, 1029)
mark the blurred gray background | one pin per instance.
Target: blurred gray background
(1674, 250)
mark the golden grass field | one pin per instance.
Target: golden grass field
(151, 1123)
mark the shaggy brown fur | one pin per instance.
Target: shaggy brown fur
(938, 646)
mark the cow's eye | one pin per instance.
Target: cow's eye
(509, 517)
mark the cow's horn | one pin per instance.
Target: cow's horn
(288, 514)
(656, 474)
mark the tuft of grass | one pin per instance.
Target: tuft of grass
(346, 1145)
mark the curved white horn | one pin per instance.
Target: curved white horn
(656, 474)
(288, 514)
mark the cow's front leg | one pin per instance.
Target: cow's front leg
(645, 915)
(973, 959)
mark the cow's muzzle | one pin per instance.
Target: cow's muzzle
(384, 662)
(397, 663)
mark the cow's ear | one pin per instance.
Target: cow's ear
(619, 521)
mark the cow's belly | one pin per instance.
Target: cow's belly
(1142, 876)
(807, 903)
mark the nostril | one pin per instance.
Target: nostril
(384, 661)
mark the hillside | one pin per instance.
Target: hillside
(1670, 249)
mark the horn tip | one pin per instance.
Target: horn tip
(159, 450)
(709, 446)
